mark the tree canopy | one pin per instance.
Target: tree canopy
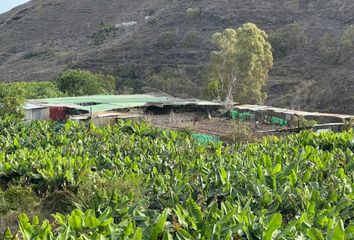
(11, 101)
(239, 68)
(82, 82)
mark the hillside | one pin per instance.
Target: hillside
(138, 39)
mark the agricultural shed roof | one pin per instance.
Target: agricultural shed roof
(30, 106)
(103, 103)
(256, 108)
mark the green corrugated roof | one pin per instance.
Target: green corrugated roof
(121, 99)
(111, 102)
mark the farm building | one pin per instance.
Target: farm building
(203, 117)
(36, 112)
(102, 108)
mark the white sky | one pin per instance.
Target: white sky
(6, 5)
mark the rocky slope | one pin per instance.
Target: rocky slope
(137, 38)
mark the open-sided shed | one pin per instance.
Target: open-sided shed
(262, 112)
(97, 104)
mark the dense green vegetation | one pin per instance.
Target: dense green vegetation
(11, 100)
(312, 45)
(130, 181)
(31, 90)
(69, 83)
(332, 50)
(82, 82)
(13, 95)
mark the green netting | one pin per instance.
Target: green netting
(233, 114)
(279, 121)
(244, 116)
(205, 138)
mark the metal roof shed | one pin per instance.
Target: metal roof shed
(36, 112)
(104, 103)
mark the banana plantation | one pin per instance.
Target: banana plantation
(133, 181)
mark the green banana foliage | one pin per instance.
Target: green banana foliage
(296, 187)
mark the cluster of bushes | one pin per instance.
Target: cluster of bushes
(193, 12)
(174, 79)
(166, 39)
(331, 50)
(191, 39)
(16, 198)
(301, 122)
(11, 100)
(69, 83)
(104, 31)
(82, 82)
(176, 85)
(286, 39)
(38, 53)
(241, 132)
(309, 5)
(13, 95)
(35, 90)
(337, 50)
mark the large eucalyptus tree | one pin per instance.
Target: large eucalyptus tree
(239, 68)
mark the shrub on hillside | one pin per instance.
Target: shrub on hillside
(329, 49)
(38, 53)
(193, 12)
(173, 84)
(286, 39)
(191, 39)
(103, 33)
(166, 39)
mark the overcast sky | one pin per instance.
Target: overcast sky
(6, 5)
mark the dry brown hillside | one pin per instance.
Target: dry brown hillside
(147, 42)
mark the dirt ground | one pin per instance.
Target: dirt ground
(196, 123)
